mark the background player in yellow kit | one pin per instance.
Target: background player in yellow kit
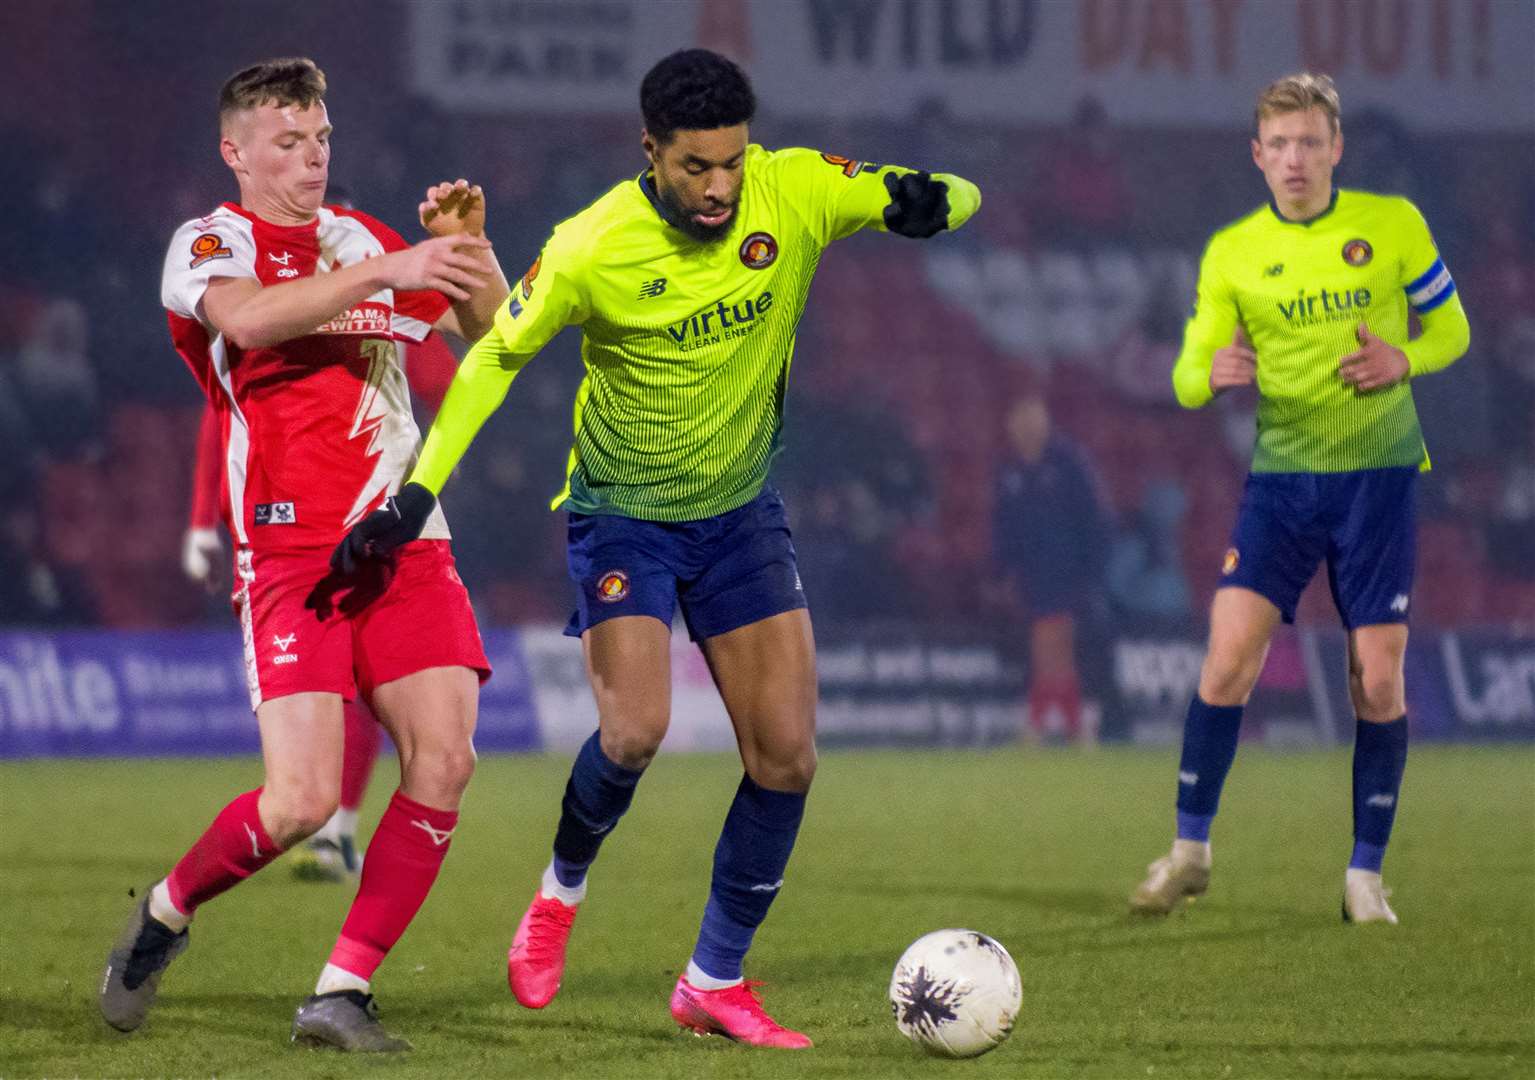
(1308, 298)
(688, 282)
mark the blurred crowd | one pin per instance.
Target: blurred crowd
(980, 433)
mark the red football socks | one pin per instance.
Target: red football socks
(404, 856)
(234, 847)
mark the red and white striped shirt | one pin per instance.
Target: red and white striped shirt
(317, 430)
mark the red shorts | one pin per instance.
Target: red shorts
(417, 618)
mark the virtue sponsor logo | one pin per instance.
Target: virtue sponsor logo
(1324, 305)
(715, 324)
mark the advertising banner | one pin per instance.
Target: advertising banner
(1181, 63)
(91, 693)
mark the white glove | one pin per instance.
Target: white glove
(203, 559)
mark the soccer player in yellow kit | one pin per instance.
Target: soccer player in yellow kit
(1308, 298)
(688, 282)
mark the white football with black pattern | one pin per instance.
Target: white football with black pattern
(956, 993)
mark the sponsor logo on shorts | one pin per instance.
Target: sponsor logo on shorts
(207, 247)
(1229, 564)
(1358, 252)
(278, 513)
(758, 251)
(613, 586)
(1399, 603)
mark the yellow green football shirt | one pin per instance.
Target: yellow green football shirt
(1300, 291)
(687, 346)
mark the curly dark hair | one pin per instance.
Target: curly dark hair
(695, 90)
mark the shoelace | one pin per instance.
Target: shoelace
(150, 951)
(750, 991)
(548, 929)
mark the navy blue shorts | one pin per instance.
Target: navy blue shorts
(726, 571)
(1361, 523)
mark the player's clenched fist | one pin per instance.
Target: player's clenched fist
(452, 209)
(1376, 364)
(452, 265)
(1234, 365)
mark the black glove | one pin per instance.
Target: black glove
(390, 527)
(919, 205)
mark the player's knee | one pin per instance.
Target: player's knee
(633, 745)
(1228, 677)
(1379, 694)
(297, 813)
(441, 773)
(785, 768)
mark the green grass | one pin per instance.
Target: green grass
(1259, 979)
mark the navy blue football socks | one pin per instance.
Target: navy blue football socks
(749, 862)
(1209, 746)
(1380, 757)
(596, 796)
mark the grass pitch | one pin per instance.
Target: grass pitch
(1259, 979)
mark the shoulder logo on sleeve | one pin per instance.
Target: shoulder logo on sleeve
(758, 251)
(1358, 252)
(530, 277)
(207, 247)
(850, 168)
(613, 586)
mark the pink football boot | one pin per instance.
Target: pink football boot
(536, 959)
(734, 1012)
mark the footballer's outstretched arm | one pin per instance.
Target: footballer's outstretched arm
(841, 195)
(457, 208)
(253, 316)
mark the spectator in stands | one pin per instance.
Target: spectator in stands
(1146, 582)
(34, 592)
(1083, 190)
(1050, 540)
(55, 380)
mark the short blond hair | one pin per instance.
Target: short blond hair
(1297, 93)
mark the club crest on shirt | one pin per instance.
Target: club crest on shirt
(758, 251)
(1229, 564)
(207, 247)
(613, 586)
(1358, 252)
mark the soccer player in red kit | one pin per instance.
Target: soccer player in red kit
(292, 316)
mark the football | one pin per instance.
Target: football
(956, 993)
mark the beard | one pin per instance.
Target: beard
(681, 217)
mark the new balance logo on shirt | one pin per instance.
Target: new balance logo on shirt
(652, 289)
